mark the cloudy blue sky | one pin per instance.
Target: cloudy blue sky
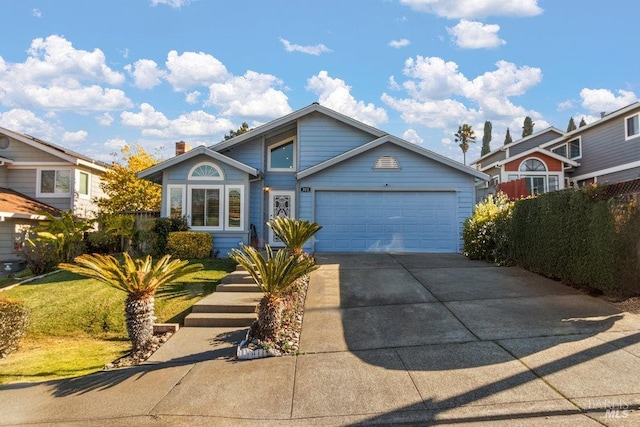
(95, 75)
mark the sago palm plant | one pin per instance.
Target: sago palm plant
(294, 233)
(140, 279)
(273, 275)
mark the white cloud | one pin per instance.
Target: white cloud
(397, 44)
(599, 100)
(192, 69)
(432, 78)
(105, 119)
(77, 136)
(115, 143)
(145, 73)
(25, 121)
(192, 97)
(476, 35)
(147, 117)
(446, 113)
(456, 9)
(336, 94)
(58, 76)
(37, 13)
(565, 105)
(412, 136)
(176, 4)
(251, 95)
(195, 123)
(309, 50)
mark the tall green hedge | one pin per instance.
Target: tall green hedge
(189, 244)
(579, 238)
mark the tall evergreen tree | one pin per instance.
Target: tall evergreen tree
(507, 138)
(486, 138)
(244, 128)
(527, 127)
(572, 125)
(582, 122)
(465, 136)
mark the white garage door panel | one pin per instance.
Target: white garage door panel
(386, 221)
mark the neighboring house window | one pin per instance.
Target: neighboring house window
(54, 183)
(387, 162)
(632, 126)
(206, 171)
(176, 201)
(282, 156)
(536, 177)
(234, 196)
(532, 165)
(83, 184)
(571, 150)
(206, 207)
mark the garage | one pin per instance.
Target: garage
(387, 221)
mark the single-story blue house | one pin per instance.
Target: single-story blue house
(369, 190)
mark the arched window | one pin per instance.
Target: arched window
(206, 171)
(386, 162)
(532, 165)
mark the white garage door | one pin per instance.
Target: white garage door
(367, 221)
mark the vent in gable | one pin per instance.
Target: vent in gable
(386, 162)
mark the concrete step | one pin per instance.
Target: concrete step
(219, 319)
(228, 302)
(234, 287)
(238, 277)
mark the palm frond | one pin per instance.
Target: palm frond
(294, 232)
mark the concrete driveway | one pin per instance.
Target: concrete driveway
(387, 338)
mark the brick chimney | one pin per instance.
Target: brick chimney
(182, 147)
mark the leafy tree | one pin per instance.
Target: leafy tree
(572, 125)
(124, 191)
(507, 138)
(274, 276)
(527, 127)
(244, 128)
(486, 138)
(293, 232)
(582, 122)
(465, 136)
(140, 279)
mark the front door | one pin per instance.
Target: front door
(281, 203)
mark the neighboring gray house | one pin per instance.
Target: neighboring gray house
(369, 190)
(605, 151)
(37, 176)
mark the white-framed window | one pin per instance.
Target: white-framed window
(53, 183)
(206, 171)
(571, 150)
(537, 178)
(532, 165)
(281, 156)
(631, 127)
(176, 201)
(234, 202)
(83, 184)
(205, 205)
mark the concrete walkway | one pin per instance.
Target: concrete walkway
(387, 338)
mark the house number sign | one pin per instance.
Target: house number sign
(305, 189)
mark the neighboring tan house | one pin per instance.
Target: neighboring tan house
(605, 151)
(36, 177)
(370, 191)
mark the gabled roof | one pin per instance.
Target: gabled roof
(56, 150)
(397, 141)
(574, 133)
(534, 150)
(17, 205)
(154, 173)
(520, 141)
(292, 117)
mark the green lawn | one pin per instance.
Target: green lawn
(77, 324)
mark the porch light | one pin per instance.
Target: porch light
(266, 189)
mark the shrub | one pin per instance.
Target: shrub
(486, 233)
(161, 229)
(101, 242)
(189, 244)
(41, 255)
(14, 319)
